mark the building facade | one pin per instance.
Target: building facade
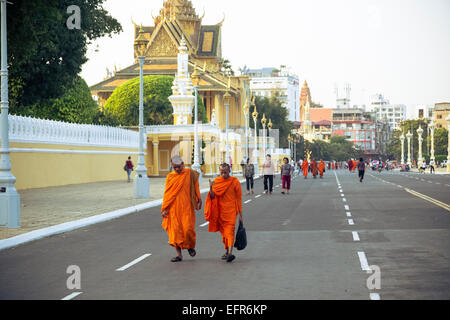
(441, 111)
(392, 113)
(267, 82)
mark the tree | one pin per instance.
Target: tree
(440, 141)
(123, 104)
(44, 55)
(75, 105)
(227, 68)
(274, 110)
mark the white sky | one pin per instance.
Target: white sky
(400, 48)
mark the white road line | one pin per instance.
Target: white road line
(204, 224)
(438, 183)
(346, 207)
(286, 222)
(134, 262)
(375, 296)
(363, 261)
(355, 236)
(343, 199)
(350, 222)
(342, 194)
(71, 296)
(258, 196)
(348, 214)
(247, 201)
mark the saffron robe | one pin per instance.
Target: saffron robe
(313, 167)
(178, 201)
(321, 168)
(305, 166)
(221, 212)
(354, 165)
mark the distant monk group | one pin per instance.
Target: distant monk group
(181, 199)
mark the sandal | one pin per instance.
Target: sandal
(225, 256)
(176, 259)
(192, 252)
(230, 257)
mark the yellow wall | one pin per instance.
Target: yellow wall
(38, 169)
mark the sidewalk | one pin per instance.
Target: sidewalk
(46, 207)
(436, 171)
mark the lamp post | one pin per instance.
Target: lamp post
(408, 136)
(9, 198)
(255, 149)
(226, 99)
(141, 181)
(432, 158)
(263, 122)
(196, 165)
(270, 125)
(420, 132)
(402, 141)
(448, 148)
(290, 145)
(246, 111)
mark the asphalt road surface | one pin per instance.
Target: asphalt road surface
(332, 238)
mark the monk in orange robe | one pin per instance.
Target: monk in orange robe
(354, 165)
(313, 167)
(305, 167)
(181, 196)
(223, 204)
(332, 165)
(321, 168)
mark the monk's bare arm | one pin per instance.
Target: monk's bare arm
(211, 192)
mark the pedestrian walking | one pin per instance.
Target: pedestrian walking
(286, 172)
(361, 169)
(350, 165)
(223, 204)
(431, 167)
(249, 173)
(305, 167)
(128, 168)
(268, 171)
(313, 167)
(180, 200)
(321, 168)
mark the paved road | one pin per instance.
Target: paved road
(315, 243)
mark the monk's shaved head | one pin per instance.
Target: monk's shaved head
(177, 160)
(225, 170)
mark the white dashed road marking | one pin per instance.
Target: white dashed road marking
(134, 262)
(71, 296)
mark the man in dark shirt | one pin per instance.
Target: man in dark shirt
(361, 169)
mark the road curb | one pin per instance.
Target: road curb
(81, 223)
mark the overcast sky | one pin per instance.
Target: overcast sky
(399, 48)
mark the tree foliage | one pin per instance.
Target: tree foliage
(274, 110)
(45, 56)
(123, 104)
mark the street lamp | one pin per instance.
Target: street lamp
(196, 165)
(263, 122)
(9, 198)
(419, 132)
(141, 181)
(270, 125)
(290, 145)
(226, 99)
(402, 141)
(255, 149)
(408, 136)
(432, 158)
(448, 148)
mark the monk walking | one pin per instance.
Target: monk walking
(354, 165)
(313, 167)
(181, 197)
(321, 168)
(223, 204)
(305, 167)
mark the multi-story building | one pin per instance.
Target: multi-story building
(421, 111)
(441, 111)
(393, 113)
(362, 128)
(267, 82)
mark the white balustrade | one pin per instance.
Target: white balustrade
(27, 129)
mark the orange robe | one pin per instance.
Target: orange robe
(177, 200)
(221, 212)
(354, 165)
(321, 168)
(314, 168)
(332, 165)
(305, 166)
